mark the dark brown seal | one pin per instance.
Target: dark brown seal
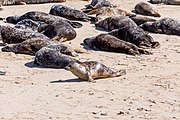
(91, 70)
(31, 46)
(50, 58)
(68, 12)
(11, 35)
(146, 9)
(110, 43)
(168, 26)
(168, 2)
(59, 31)
(115, 22)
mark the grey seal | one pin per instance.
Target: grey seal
(169, 26)
(168, 2)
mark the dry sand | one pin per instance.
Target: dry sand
(150, 90)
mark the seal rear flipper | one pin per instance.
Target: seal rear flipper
(142, 51)
(75, 24)
(120, 72)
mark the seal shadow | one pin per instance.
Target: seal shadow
(101, 29)
(68, 80)
(32, 65)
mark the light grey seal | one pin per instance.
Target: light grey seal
(146, 9)
(91, 70)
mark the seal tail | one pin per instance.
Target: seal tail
(120, 73)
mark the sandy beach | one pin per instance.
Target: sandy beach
(150, 89)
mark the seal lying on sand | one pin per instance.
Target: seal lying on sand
(116, 22)
(31, 46)
(51, 58)
(168, 2)
(29, 24)
(59, 31)
(91, 70)
(41, 16)
(11, 35)
(23, 2)
(146, 9)
(139, 19)
(95, 4)
(68, 12)
(168, 26)
(110, 43)
(104, 12)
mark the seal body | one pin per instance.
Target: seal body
(50, 58)
(139, 19)
(11, 35)
(68, 12)
(115, 22)
(31, 46)
(29, 24)
(110, 43)
(59, 31)
(91, 70)
(168, 2)
(41, 16)
(168, 26)
(23, 2)
(104, 12)
(146, 9)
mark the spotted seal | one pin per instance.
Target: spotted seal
(110, 43)
(170, 26)
(11, 35)
(146, 9)
(41, 16)
(31, 46)
(29, 24)
(140, 19)
(91, 70)
(68, 12)
(168, 2)
(50, 58)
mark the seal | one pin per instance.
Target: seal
(29, 24)
(68, 12)
(127, 30)
(115, 22)
(41, 16)
(146, 9)
(104, 12)
(24, 2)
(31, 46)
(110, 43)
(168, 2)
(91, 70)
(140, 19)
(50, 58)
(59, 31)
(169, 26)
(11, 35)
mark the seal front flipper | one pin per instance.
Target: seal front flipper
(75, 24)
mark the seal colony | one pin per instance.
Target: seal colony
(41, 34)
